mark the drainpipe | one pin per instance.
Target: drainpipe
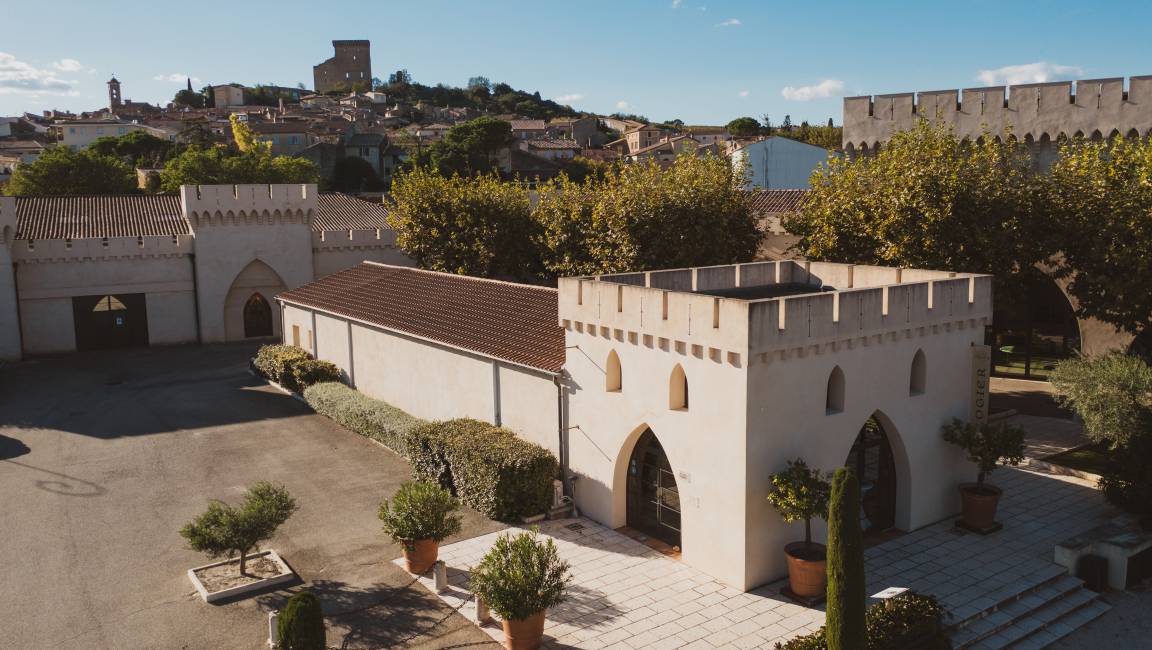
(196, 298)
(562, 438)
(19, 315)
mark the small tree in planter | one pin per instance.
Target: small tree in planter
(520, 578)
(800, 493)
(420, 516)
(224, 530)
(301, 624)
(987, 446)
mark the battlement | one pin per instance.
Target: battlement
(764, 306)
(1089, 107)
(75, 250)
(340, 239)
(206, 205)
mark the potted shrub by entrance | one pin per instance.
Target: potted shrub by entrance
(420, 516)
(800, 493)
(987, 446)
(520, 578)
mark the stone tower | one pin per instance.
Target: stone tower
(114, 100)
(351, 66)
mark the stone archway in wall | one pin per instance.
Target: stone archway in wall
(248, 308)
(645, 494)
(880, 461)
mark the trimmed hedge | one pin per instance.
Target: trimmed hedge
(292, 367)
(488, 468)
(910, 622)
(314, 371)
(368, 417)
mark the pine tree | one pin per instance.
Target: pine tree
(845, 620)
(301, 624)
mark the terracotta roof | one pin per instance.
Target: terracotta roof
(336, 211)
(77, 217)
(517, 323)
(772, 201)
(552, 143)
(527, 125)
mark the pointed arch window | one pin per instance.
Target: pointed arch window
(678, 389)
(918, 379)
(613, 379)
(834, 399)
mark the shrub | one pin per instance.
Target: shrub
(520, 576)
(301, 624)
(313, 371)
(845, 621)
(987, 445)
(904, 622)
(276, 363)
(366, 416)
(228, 530)
(420, 510)
(489, 468)
(800, 493)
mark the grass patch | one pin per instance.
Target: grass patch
(1093, 458)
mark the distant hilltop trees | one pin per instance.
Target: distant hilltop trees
(480, 94)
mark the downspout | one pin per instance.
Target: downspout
(19, 315)
(562, 439)
(196, 297)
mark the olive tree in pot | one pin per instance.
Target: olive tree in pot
(987, 445)
(520, 578)
(420, 516)
(800, 493)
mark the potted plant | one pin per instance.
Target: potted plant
(987, 446)
(420, 516)
(801, 493)
(520, 578)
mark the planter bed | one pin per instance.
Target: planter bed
(222, 580)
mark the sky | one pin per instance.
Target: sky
(702, 61)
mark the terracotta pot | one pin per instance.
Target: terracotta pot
(421, 556)
(978, 504)
(807, 574)
(524, 634)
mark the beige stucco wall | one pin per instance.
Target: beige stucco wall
(47, 325)
(9, 325)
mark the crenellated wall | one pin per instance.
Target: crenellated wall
(1035, 112)
(207, 205)
(89, 249)
(337, 250)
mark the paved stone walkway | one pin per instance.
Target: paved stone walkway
(626, 595)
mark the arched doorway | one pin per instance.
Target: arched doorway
(874, 463)
(653, 497)
(257, 317)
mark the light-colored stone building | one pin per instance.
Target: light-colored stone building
(670, 397)
(89, 272)
(78, 134)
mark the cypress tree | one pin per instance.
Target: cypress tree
(845, 621)
(301, 624)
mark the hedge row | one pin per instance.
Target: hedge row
(292, 367)
(908, 622)
(357, 412)
(487, 467)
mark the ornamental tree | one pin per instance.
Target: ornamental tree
(800, 493)
(224, 530)
(60, 170)
(520, 576)
(844, 625)
(987, 445)
(420, 510)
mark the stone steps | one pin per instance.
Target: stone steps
(1033, 618)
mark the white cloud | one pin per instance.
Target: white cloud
(676, 3)
(822, 90)
(68, 65)
(623, 105)
(176, 78)
(1029, 73)
(731, 22)
(20, 77)
(744, 93)
(569, 98)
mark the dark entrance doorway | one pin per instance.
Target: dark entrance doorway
(871, 458)
(257, 317)
(110, 321)
(653, 498)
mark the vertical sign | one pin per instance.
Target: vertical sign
(981, 369)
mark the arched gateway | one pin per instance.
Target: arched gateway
(876, 463)
(653, 497)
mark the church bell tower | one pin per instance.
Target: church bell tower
(114, 93)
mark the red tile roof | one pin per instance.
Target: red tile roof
(336, 211)
(77, 217)
(513, 322)
(775, 201)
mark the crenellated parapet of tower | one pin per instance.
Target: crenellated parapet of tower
(1034, 112)
(208, 205)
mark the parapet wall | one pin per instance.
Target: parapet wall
(78, 250)
(340, 239)
(206, 205)
(1036, 111)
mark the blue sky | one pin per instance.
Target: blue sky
(703, 61)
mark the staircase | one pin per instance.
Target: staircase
(1030, 616)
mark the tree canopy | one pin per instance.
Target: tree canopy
(60, 170)
(190, 98)
(137, 148)
(744, 126)
(470, 148)
(480, 93)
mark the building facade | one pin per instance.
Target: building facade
(80, 273)
(777, 163)
(670, 397)
(351, 65)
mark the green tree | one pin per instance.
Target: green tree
(301, 624)
(744, 127)
(190, 98)
(471, 148)
(521, 575)
(800, 493)
(245, 138)
(844, 625)
(221, 166)
(470, 225)
(137, 148)
(987, 445)
(63, 171)
(224, 530)
(353, 174)
(1101, 197)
